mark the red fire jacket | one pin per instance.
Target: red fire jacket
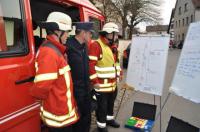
(53, 85)
(95, 51)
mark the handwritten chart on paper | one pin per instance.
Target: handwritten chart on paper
(147, 63)
(186, 82)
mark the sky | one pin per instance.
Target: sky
(166, 9)
(167, 6)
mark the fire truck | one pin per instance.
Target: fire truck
(19, 39)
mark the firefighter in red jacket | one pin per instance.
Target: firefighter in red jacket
(53, 82)
(105, 71)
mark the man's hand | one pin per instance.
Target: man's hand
(126, 86)
(121, 78)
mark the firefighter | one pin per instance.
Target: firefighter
(105, 71)
(77, 51)
(53, 83)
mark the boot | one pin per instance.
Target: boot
(113, 123)
(102, 129)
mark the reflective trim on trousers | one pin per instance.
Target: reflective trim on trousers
(108, 118)
(101, 125)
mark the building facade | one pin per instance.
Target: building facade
(157, 29)
(196, 4)
(171, 26)
(184, 14)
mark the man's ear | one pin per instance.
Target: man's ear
(82, 32)
(106, 35)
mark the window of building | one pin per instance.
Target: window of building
(183, 36)
(176, 37)
(176, 24)
(192, 18)
(179, 23)
(172, 26)
(179, 11)
(179, 38)
(187, 20)
(183, 22)
(186, 7)
(12, 29)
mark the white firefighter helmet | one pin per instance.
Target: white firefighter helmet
(110, 27)
(63, 21)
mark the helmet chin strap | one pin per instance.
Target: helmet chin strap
(62, 33)
(111, 41)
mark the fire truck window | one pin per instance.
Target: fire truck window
(39, 36)
(97, 26)
(11, 28)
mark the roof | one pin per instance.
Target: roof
(85, 3)
(156, 28)
(196, 3)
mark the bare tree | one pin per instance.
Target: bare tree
(146, 11)
(108, 9)
(133, 12)
(129, 13)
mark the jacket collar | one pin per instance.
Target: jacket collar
(53, 40)
(104, 40)
(78, 44)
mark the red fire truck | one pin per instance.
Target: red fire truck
(19, 38)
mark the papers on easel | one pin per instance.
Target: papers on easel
(147, 63)
(186, 82)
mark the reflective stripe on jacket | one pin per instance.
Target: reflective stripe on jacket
(53, 85)
(106, 67)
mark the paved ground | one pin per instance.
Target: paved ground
(175, 106)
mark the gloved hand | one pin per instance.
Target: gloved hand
(126, 86)
(93, 100)
(121, 78)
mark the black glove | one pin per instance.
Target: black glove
(93, 100)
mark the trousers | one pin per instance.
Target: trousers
(63, 129)
(84, 108)
(104, 112)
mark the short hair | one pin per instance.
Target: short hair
(78, 31)
(49, 32)
(103, 34)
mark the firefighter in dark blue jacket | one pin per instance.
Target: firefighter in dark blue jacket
(77, 52)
